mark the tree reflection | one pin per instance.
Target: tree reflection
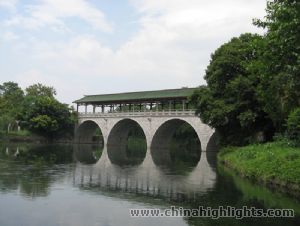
(35, 183)
(26, 167)
(88, 153)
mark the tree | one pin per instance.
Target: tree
(279, 88)
(38, 111)
(11, 101)
(229, 102)
(293, 125)
(46, 116)
(40, 90)
(11, 96)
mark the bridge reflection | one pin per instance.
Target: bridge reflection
(87, 153)
(146, 178)
(95, 169)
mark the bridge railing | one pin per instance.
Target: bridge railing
(142, 113)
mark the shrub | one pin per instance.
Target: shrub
(293, 125)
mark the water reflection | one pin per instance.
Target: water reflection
(87, 153)
(25, 168)
(99, 168)
(176, 160)
(256, 193)
(46, 154)
(67, 176)
(131, 154)
(146, 178)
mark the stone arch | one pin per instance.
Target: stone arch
(203, 131)
(119, 131)
(117, 141)
(85, 131)
(165, 131)
(161, 151)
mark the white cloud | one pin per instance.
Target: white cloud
(171, 49)
(9, 36)
(9, 4)
(52, 12)
(32, 76)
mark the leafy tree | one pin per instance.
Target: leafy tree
(229, 102)
(11, 101)
(293, 125)
(253, 83)
(279, 88)
(11, 97)
(46, 116)
(10, 89)
(38, 111)
(40, 90)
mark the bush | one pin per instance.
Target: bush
(293, 125)
(283, 140)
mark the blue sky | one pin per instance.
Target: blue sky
(105, 46)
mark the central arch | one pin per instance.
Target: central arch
(126, 143)
(89, 132)
(170, 134)
(165, 132)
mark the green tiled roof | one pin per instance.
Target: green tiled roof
(138, 96)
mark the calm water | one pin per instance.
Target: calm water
(85, 185)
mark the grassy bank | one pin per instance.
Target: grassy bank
(274, 164)
(24, 136)
(21, 136)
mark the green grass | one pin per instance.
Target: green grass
(271, 163)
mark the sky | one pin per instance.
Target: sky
(84, 47)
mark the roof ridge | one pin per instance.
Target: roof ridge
(141, 91)
(139, 95)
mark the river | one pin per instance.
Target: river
(88, 185)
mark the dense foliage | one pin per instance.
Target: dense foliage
(280, 68)
(37, 110)
(293, 126)
(11, 99)
(40, 90)
(253, 82)
(46, 116)
(229, 101)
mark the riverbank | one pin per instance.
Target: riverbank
(275, 164)
(27, 137)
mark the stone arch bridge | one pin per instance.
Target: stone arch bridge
(157, 113)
